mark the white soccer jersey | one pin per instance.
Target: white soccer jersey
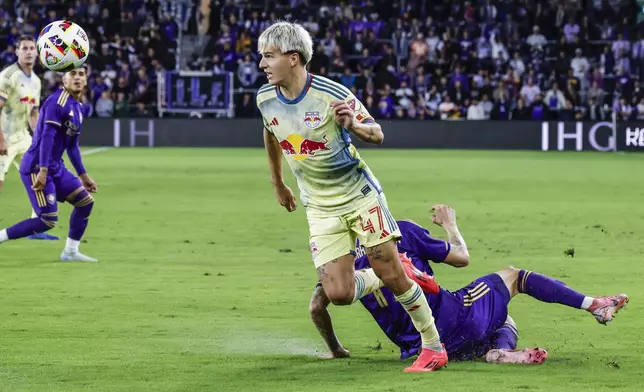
(330, 173)
(20, 93)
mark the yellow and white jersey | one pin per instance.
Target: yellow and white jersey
(20, 93)
(332, 177)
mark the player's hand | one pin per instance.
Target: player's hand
(343, 114)
(285, 197)
(3, 147)
(41, 180)
(443, 215)
(89, 184)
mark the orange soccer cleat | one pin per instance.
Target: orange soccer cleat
(428, 361)
(425, 281)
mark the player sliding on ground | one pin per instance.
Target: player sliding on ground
(19, 100)
(309, 119)
(473, 322)
(44, 174)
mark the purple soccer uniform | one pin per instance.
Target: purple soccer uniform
(57, 131)
(467, 320)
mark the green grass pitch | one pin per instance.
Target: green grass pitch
(204, 281)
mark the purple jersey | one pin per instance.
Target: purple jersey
(462, 327)
(58, 130)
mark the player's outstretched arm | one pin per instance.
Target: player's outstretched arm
(76, 160)
(445, 217)
(283, 193)
(369, 132)
(322, 320)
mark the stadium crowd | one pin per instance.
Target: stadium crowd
(129, 40)
(478, 59)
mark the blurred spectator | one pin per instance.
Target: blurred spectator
(122, 106)
(448, 109)
(555, 99)
(538, 110)
(594, 111)
(9, 55)
(105, 105)
(537, 40)
(521, 112)
(529, 92)
(247, 71)
(475, 111)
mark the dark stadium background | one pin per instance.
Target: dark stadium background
(434, 60)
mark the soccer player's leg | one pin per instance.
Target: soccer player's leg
(43, 202)
(377, 230)
(70, 189)
(503, 347)
(330, 243)
(547, 289)
(4, 168)
(18, 151)
(5, 164)
(14, 153)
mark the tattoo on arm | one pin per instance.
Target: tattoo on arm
(455, 238)
(371, 134)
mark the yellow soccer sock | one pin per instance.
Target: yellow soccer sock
(366, 282)
(416, 305)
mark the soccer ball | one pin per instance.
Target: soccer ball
(62, 46)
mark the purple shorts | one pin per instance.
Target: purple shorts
(59, 185)
(483, 310)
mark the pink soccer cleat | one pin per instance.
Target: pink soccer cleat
(524, 356)
(426, 282)
(605, 308)
(428, 361)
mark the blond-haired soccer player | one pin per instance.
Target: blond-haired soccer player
(19, 101)
(310, 120)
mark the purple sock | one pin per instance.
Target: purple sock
(26, 228)
(505, 338)
(80, 216)
(547, 289)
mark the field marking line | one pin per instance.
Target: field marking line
(95, 150)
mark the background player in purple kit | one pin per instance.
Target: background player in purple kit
(44, 174)
(473, 322)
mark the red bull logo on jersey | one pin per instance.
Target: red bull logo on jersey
(29, 100)
(300, 148)
(312, 119)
